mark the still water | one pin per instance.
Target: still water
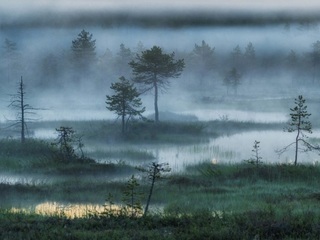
(234, 149)
(225, 149)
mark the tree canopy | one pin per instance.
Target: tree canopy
(232, 79)
(152, 70)
(83, 49)
(202, 60)
(125, 102)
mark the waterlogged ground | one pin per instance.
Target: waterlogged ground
(226, 149)
(77, 195)
(238, 115)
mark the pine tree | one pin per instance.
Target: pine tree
(152, 69)
(83, 50)
(299, 123)
(125, 102)
(232, 79)
(202, 60)
(132, 198)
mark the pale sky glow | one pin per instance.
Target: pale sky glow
(24, 5)
(33, 12)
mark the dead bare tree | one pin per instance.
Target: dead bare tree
(24, 110)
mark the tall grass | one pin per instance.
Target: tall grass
(225, 202)
(131, 154)
(36, 156)
(255, 224)
(207, 201)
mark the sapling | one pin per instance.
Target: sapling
(109, 210)
(65, 141)
(256, 158)
(154, 172)
(300, 124)
(132, 198)
(68, 142)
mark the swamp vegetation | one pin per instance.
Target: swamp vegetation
(207, 200)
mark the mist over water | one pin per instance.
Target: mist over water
(56, 93)
(43, 35)
(274, 46)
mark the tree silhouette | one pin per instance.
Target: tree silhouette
(232, 79)
(152, 70)
(125, 102)
(124, 56)
(24, 110)
(132, 198)
(250, 53)
(249, 59)
(69, 144)
(202, 60)
(154, 171)
(65, 141)
(256, 158)
(300, 124)
(83, 50)
(236, 56)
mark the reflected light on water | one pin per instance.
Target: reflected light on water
(65, 210)
(77, 210)
(68, 210)
(214, 161)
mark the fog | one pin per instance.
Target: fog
(273, 46)
(42, 33)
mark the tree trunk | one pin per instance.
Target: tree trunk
(297, 147)
(123, 124)
(156, 111)
(22, 111)
(297, 142)
(123, 117)
(151, 190)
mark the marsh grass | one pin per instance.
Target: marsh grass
(106, 131)
(221, 127)
(207, 201)
(131, 154)
(34, 148)
(36, 156)
(254, 224)
(233, 201)
(243, 187)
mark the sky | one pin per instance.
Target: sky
(24, 6)
(64, 13)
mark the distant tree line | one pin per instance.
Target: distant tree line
(205, 68)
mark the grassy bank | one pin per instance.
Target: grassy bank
(204, 225)
(209, 202)
(40, 157)
(162, 132)
(206, 201)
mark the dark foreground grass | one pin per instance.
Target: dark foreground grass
(40, 157)
(240, 201)
(203, 225)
